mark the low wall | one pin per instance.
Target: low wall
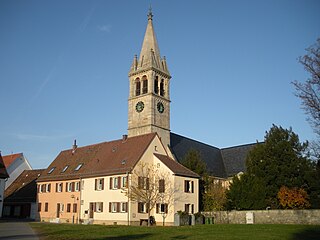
(266, 217)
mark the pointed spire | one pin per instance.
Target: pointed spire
(150, 53)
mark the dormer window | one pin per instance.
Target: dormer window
(64, 169)
(51, 170)
(123, 162)
(78, 167)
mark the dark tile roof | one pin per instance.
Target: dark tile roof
(107, 158)
(3, 170)
(234, 158)
(222, 163)
(181, 145)
(24, 187)
(176, 167)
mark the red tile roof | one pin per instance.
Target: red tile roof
(177, 168)
(3, 171)
(9, 159)
(24, 188)
(107, 158)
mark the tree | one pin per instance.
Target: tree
(214, 197)
(293, 198)
(194, 162)
(309, 91)
(246, 192)
(280, 160)
(150, 186)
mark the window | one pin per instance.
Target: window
(116, 207)
(162, 208)
(51, 170)
(143, 183)
(156, 87)
(40, 188)
(61, 207)
(75, 207)
(77, 186)
(124, 207)
(115, 182)
(68, 207)
(113, 207)
(59, 187)
(188, 186)
(46, 207)
(161, 186)
(48, 187)
(39, 207)
(142, 207)
(64, 169)
(69, 187)
(78, 167)
(189, 208)
(162, 88)
(124, 182)
(99, 184)
(138, 87)
(144, 85)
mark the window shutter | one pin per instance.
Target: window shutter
(102, 184)
(101, 206)
(147, 183)
(119, 182)
(95, 207)
(192, 186)
(49, 187)
(186, 209)
(38, 188)
(110, 206)
(118, 207)
(157, 208)
(139, 207)
(192, 208)
(161, 186)
(126, 207)
(95, 184)
(166, 208)
(110, 182)
(140, 182)
(185, 186)
(56, 187)
(147, 207)
(67, 184)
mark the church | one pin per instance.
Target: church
(94, 184)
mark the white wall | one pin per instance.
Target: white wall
(16, 168)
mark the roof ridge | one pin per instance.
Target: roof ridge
(242, 145)
(198, 141)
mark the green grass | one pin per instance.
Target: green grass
(225, 232)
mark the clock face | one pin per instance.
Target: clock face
(160, 107)
(139, 106)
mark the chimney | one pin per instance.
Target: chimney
(124, 137)
(74, 146)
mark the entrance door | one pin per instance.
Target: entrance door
(58, 210)
(91, 210)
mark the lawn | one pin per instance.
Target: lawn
(247, 232)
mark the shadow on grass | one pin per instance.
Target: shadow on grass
(132, 236)
(308, 234)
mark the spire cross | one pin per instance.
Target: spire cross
(150, 13)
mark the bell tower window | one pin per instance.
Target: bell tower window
(138, 87)
(156, 87)
(162, 88)
(144, 85)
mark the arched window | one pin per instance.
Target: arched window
(162, 88)
(144, 85)
(138, 86)
(156, 87)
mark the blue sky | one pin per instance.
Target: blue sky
(64, 69)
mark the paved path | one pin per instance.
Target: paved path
(16, 230)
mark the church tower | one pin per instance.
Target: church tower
(149, 96)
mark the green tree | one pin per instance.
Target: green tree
(280, 161)
(194, 162)
(246, 192)
(214, 197)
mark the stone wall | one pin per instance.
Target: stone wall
(266, 217)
